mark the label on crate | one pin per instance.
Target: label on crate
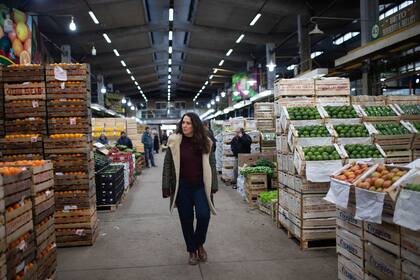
(20, 267)
(48, 193)
(406, 210)
(60, 74)
(34, 139)
(72, 121)
(35, 104)
(369, 205)
(31, 119)
(59, 173)
(22, 245)
(338, 194)
(80, 232)
(70, 207)
(63, 85)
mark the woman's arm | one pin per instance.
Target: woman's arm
(214, 182)
(167, 175)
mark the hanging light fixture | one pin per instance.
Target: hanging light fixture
(129, 103)
(103, 89)
(123, 101)
(132, 108)
(223, 94)
(93, 50)
(72, 25)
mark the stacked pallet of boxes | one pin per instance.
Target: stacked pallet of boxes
(109, 186)
(19, 229)
(126, 160)
(254, 185)
(229, 160)
(378, 241)
(265, 118)
(303, 180)
(42, 199)
(25, 112)
(70, 149)
(111, 127)
(133, 135)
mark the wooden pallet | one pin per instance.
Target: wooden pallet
(107, 208)
(315, 244)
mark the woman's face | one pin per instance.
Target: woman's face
(187, 128)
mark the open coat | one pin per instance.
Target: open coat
(171, 168)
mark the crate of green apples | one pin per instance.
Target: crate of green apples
(394, 136)
(348, 114)
(409, 111)
(370, 153)
(354, 133)
(416, 128)
(317, 163)
(310, 135)
(379, 113)
(308, 115)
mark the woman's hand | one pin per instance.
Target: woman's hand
(213, 191)
(166, 193)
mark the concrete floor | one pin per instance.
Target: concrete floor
(142, 240)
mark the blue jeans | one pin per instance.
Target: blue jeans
(149, 156)
(190, 196)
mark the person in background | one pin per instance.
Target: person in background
(102, 139)
(240, 144)
(124, 140)
(148, 147)
(211, 134)
(164, 138)
(156, 143)
(190, 180)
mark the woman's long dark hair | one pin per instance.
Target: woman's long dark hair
(199, 140)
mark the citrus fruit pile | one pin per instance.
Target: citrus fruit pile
(362, 151)
(352, 173)
(411, 109)
(379, 111)
(341, 112)
(382, 178)
(303, 113)
(391, 129)
(313, 131)
(351, 130)
(320, 153)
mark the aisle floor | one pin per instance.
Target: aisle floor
(142, 240)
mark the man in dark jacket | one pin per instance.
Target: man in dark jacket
(147, 141)
(211, 134)
(240, 144)
(124, 140)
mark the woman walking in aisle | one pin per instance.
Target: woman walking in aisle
(190, 180)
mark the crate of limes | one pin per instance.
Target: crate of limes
(317, 163)
(361, 133)
(308, 115)
(310, 135)
(416, 142)
(348, 114)
(369, 152)
(379, 113)
(409, 111)
(394, 136)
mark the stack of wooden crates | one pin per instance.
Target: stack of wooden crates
(1, 103)
(254, 185)
(302, 212)
(69, 146)
(265, 118)
(25, 112)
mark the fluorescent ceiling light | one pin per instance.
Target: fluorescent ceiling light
(170, 49)
(129, 103)
(123, 63)
(170, 61)
(128, 71)
(256, 18)
(240, 38)
(229, 52)
(170, 35)
(169, 81)
(72, 25)
(203, 87)
(206, 83)
(171, 14)
(221, 62)
(169, 69)
(213, 102)
(136, 83)
(169, 76)
(132, 78)
(138, 87)
(214, 71)
(169, 86)
(107, 39)
(116, 52)
(92, 15)
(211, 77)
(217, 98)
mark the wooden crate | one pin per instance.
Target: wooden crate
(399, 157)
(266, 124)
(63, 91)
(332, 100)
(21, 146)
(376, 119)
(387, 236)
(381, 263)
(348, 270)
(17, 187)
(34, 125)
(294, 87)
(74, 71)
(298, 101)
(367, 100)
(251, 197)
(402, 99)
(405, 116)
(264, 111)
(83, 199)
(25, 109)
(332, 87)
(295, 140)
(18, 254)
(301, 185)
(69, 125)
(409, 270)
(396, 142)
(66, 109)
(74, 182)
(24, 73)
(346, 221)
(25, 91)
(46, 261)
(410, 245)
(350, 246)
(77, 145)
(255, 182)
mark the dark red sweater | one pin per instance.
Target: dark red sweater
(191, 169)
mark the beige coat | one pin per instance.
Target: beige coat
(171, 169)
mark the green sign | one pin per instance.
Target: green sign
(403, 18)
(244, 86)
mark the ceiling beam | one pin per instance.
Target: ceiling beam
(273, 7)
(69, 7)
